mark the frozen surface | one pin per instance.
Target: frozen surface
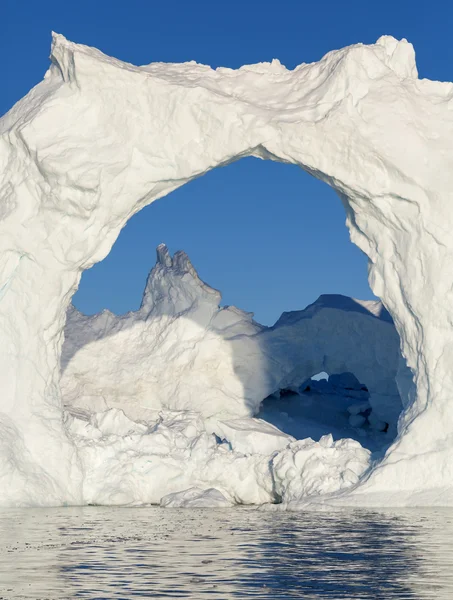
(173, 454)
(252, 436)
(159, 461)
(98, 139)
(148, 367)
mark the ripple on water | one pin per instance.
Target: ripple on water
(112, 553)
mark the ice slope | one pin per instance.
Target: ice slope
(98, 139)
(182, 351)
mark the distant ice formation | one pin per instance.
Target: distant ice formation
(182, 351)
(98, 139)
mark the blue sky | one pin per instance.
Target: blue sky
(269, 236)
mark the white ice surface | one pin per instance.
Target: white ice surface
(175, 453)
(159, 461)
(129, 382)
(252, 436)
(179, 351)
(98, 139)
(308, 468)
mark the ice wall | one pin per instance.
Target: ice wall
(99, 139)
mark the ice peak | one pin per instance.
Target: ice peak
(400, 56)
(180, 262)
(163, 256)
(175, 280)
(62, 56)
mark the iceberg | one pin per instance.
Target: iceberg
(308, 468)
(98, 139)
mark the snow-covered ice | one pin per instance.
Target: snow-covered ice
(97, 140)
(173, 454)
(252, 436)
(179, 351)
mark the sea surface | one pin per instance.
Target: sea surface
(108, 553)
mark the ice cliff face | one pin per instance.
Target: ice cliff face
(99, 139)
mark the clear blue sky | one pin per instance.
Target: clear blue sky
(269, 236)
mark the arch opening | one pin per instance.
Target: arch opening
(337, 405)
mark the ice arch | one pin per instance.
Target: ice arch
(99, 139)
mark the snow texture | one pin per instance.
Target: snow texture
(98, 139)
(175, 461)
(173, 453)
(252, 436)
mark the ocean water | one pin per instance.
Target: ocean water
(109, 553)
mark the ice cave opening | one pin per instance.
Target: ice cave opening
(95, 142)
(339, 405)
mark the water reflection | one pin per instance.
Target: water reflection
(96, 552)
